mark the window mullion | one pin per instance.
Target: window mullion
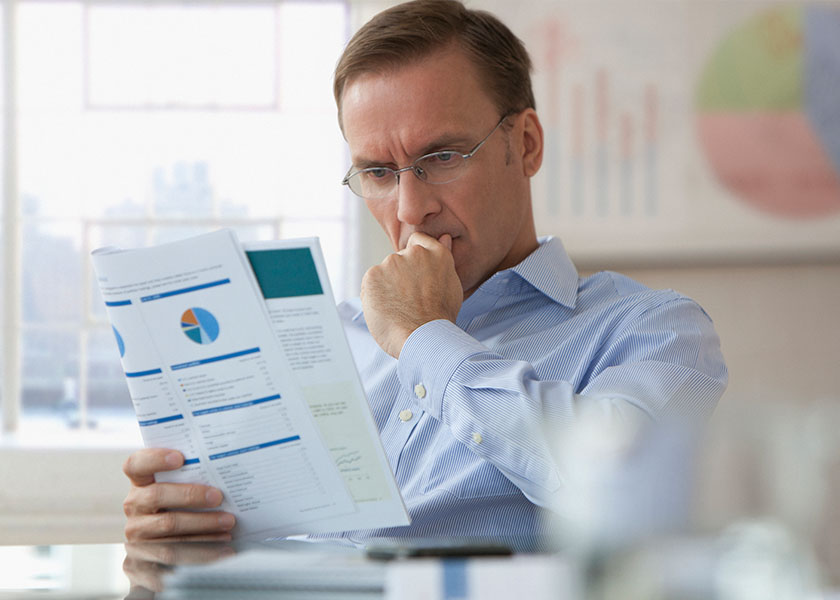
(12, 242)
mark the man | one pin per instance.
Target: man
(474, 338)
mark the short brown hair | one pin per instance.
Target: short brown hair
(413, 30)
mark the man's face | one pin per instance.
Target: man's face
(391, 119)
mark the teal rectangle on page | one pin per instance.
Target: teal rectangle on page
(285, 272)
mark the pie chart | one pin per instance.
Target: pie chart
(200, 325)
(120, 342)
(768, 111)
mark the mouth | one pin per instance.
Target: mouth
(437, 236)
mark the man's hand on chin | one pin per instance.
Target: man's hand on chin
(409, 288)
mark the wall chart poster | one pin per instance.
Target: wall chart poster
(686, 131)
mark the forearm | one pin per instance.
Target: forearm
(503, 410)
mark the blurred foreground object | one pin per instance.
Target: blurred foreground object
(737, 508)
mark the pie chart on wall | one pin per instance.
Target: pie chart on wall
(768, 111)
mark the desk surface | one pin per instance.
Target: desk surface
(65, 572)
(169, 571)
(297, 570)
(309, 571)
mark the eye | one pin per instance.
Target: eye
(377, 172)
(444, 156)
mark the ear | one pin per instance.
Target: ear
(532, 142)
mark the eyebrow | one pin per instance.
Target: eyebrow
(445, 142)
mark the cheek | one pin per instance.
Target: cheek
(385, 214)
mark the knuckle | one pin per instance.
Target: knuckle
(128, 506)
(195, 496)
(131, 531)
(128, 465)
(167, 523)
(167, 555)
(157, 496)
(131, 504)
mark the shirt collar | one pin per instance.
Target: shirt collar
(550, 270)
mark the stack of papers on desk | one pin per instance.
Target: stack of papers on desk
(311, 570)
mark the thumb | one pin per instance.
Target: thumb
(446, 240)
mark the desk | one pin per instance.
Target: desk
(679, 569)
(306, 572)
(63, 572)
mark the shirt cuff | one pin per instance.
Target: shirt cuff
(429, 358)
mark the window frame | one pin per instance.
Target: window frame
(14, 221)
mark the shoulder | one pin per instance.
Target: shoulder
(610, 287)
(624, 302)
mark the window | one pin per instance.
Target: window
(140, 123)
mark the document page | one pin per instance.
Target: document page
(251, 378)
(207, 377)
(293, 278)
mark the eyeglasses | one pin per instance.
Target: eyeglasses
(444, 166)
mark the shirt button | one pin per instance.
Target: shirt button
(477, 438)
(420, 390)
(405, 415)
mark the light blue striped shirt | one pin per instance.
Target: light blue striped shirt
(462, 413)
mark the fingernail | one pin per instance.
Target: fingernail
(226, 521)
(213, 497)
(173, 459)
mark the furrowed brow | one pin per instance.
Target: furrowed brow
(445, 142)
(363, 163)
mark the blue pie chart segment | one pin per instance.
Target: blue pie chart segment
(822, 75)
(120, 342)
(200, 325)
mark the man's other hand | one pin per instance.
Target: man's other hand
(409, 288)
(162, 511)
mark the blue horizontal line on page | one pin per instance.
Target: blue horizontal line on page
(143, 373)
(161, 420)
(293, 438)
(118, 303)
(213, 359)
(186, 290)
(210, 411)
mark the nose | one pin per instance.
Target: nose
(415, 200)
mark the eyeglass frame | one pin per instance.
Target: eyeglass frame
(413, 166)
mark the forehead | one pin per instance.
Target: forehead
(411, 106)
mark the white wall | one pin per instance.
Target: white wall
(52, 497)
(779, 326)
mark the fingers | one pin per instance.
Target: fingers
(180, 526)
(155, 497)
(145, 564)
(140, 467)
(177, 554)
(144, 577)
(428, 242)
